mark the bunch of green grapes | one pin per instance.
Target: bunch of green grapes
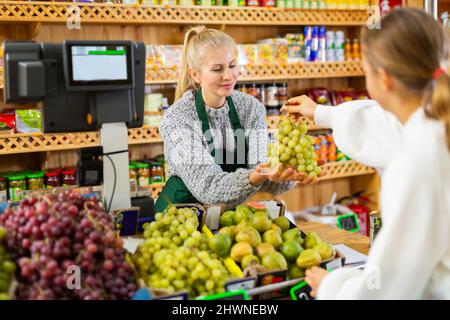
(7, 269)
(200, 272)
(175, 255)
(294, 148)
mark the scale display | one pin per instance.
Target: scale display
(104, 63)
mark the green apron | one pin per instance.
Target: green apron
(175, 191)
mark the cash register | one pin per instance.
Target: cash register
(85, 86)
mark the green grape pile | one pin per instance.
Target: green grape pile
(294, 148)
(175, 256)
(7, 269)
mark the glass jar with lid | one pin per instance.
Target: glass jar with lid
(36, 180)
(143, 174)
(52, 180)
(132, 175)
(17, 187)
(3, 184)
(69, 178)
(157, 172)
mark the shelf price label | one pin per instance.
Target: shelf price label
(301, 291)
(234, 295)
(348, 222)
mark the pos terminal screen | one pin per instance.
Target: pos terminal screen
(99, 65)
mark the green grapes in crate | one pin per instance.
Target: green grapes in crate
(293, 148)
(176, 256)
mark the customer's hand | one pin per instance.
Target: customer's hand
(300, 106)
(314, 278)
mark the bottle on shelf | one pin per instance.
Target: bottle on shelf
(348, 50)
(356, 52)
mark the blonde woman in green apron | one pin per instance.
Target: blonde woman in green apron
(215, 138)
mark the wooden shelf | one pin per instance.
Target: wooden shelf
(25, 143)
(258, 72)
(98, 13)
(268, 72)
(344, 169)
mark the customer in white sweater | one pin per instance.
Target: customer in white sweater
(404, 64)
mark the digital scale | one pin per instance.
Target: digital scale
(85, 86)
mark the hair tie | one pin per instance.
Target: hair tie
(438, 72)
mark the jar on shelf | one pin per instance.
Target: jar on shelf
(3, 189)
(157, 172)
(36, 181)
(69, 178)
(282, 93)
(132, 175)
(253, 90)
(3, 184)
(52, 180)
(17, 187)
(272, 95)
(143, 174)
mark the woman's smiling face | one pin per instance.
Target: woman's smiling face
(219, 72)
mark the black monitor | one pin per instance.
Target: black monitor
(80, 84)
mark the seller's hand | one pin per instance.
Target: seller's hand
(300, 106)
(277, 174)
(303, 178)
(314, 277)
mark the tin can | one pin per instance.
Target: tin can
(322, 55)
(375, 224)
(314, 45)
(340, 46)
(307, 33)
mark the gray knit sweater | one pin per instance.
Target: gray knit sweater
(186, 149)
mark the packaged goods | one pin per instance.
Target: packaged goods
(7, 122)
(17, 186)
(52, 180)
(246, 54)
(28, 121)
(69, 178)
(36, 181)
(320, 96)
(264, 54)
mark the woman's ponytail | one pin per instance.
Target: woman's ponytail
(439, 106)
(184, 81)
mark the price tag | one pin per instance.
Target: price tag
(178, 296)
(213, 217)
(240, 284)
(271, 277)
(348, 222)
(301, 291)
(234, 295)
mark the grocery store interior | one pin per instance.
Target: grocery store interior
(83, 161)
